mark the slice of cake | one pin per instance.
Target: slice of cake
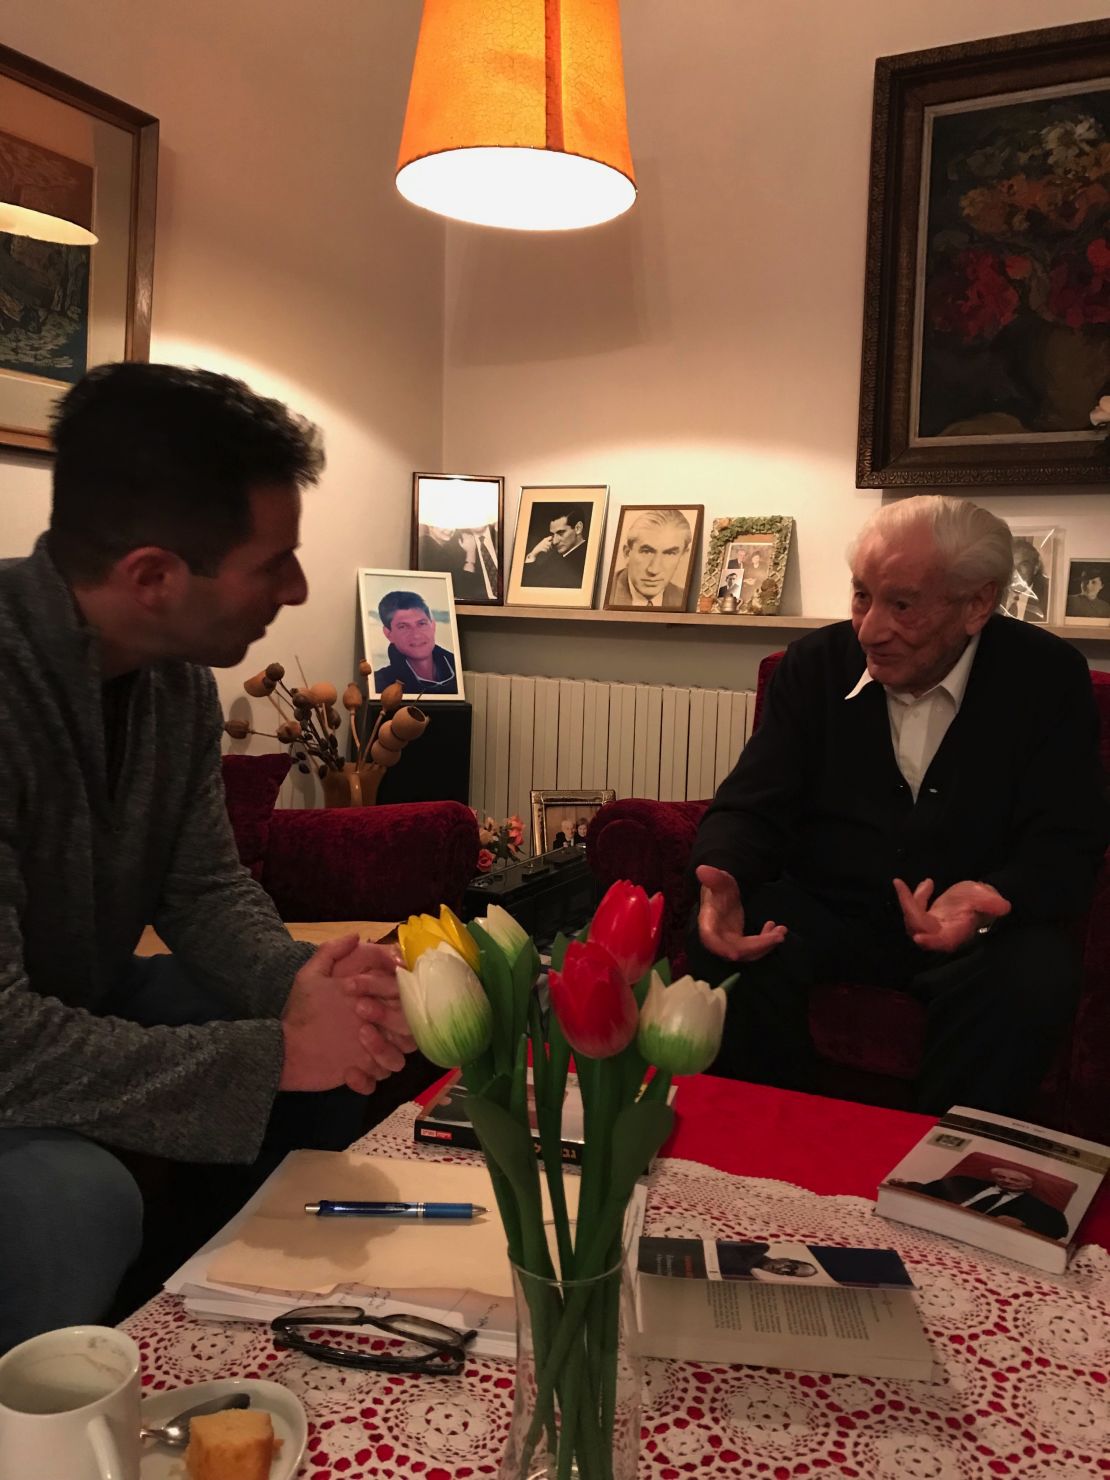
(237, 1444)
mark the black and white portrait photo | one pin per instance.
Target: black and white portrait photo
(1088, 598)
(558, 542)
(457, 529)
(1029, 598)
(653, 558)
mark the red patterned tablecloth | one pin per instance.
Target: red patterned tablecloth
(1025, 1356)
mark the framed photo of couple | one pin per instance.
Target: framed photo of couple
(457, 529)
(745, 564)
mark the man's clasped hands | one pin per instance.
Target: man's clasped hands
(343, 1022)
(944, 924)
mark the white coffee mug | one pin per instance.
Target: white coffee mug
(69, 1406)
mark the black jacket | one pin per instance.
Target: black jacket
(445, 681)
(1014, 795)
(1029, 1210)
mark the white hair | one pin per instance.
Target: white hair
(661, 516)
(974, 546)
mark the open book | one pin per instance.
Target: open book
(1007, 1186)
(775, 1304)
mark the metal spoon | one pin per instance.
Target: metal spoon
(175, 1434)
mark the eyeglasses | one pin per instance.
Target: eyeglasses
(443, 1349)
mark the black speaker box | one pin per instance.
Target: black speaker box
(435, 768)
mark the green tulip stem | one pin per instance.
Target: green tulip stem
(549, 1118)
(657, 1088)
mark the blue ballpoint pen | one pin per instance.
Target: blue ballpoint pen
(326, 1209)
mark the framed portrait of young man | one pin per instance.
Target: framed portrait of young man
(559, 534)
(653, 559)
(457, 527)
(409, 633)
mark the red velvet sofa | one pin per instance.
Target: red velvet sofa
(869, 1040)
(347, 863)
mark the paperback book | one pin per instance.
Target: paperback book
(443, 1121)
(1007, 1186)
(769, 1303)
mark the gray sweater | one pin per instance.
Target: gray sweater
(83, 870)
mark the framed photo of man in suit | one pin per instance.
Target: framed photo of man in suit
(559, 534)
(457, 528)
(653, 559)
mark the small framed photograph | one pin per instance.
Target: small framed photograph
(559, 534)
(560, 818)
(457, 527)
(409, 633)
(1033, 583)
(745, 565)
(1088, 597)
(653, 558)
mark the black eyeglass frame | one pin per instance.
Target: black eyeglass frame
(445, 1357)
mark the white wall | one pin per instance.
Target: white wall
(283, 254)
(705, 347)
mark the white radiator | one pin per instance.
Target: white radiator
(642, 740)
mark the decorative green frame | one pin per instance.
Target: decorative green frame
(721, 535)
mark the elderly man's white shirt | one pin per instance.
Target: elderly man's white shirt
(917, 726)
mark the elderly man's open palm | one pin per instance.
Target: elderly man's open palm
(953, 917)
(721, 920)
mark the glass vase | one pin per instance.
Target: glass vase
(576, 1405)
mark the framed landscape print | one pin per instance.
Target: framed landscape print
(986, 339)
(68, 150)
(457, 527)
(409, 633)
(653, 557)
(559, 534)
(745, 565)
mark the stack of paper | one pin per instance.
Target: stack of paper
(273, 1256)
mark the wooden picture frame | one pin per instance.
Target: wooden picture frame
(745, 565)
(985, 340)
(652, 566)
(458, 522)
(564, 573)
(582, 806)
(430, 597)
(64, 309)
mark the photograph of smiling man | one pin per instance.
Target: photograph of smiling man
(653, 558)
(409, 632)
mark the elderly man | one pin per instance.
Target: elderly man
(656, 541)
(172, 547)
(1007, 1195)
(921, 808)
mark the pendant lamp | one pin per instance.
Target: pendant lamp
(516, 114)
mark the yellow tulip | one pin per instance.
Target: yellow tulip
(423, 933)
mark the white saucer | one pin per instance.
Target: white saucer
(290, 1423)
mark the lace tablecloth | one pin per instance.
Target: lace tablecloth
(1025, 1357)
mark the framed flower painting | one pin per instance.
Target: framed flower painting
(986, 341)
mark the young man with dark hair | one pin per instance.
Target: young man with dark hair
(559, 559)
(172, 545)
(415, 660)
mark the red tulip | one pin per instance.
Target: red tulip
(627, 926)
(593, 1002)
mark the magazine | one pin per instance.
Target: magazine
(1004, 1185)
(770, 1303)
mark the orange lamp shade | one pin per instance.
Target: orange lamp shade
(516, 114)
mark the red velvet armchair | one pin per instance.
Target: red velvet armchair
(869, 1040)
(347, 863)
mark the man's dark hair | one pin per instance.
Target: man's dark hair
(161, 455)
(397, 601)
(573, 514)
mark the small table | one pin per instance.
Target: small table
(543, 899)
(1025, 1354)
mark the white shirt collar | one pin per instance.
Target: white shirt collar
(954, 682)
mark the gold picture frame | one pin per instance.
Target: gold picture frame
(581, 807)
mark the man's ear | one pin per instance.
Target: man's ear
(152, 577)
(980, 606)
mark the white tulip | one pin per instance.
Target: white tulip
(446, 1007)
(504, 931)
(681, 1025)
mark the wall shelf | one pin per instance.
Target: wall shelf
(1079, 632)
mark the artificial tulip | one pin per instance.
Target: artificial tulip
(681, 1025)
(504, 931)
(446, 1007)
(593, 1001)
(424, 933)
(627, 925)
